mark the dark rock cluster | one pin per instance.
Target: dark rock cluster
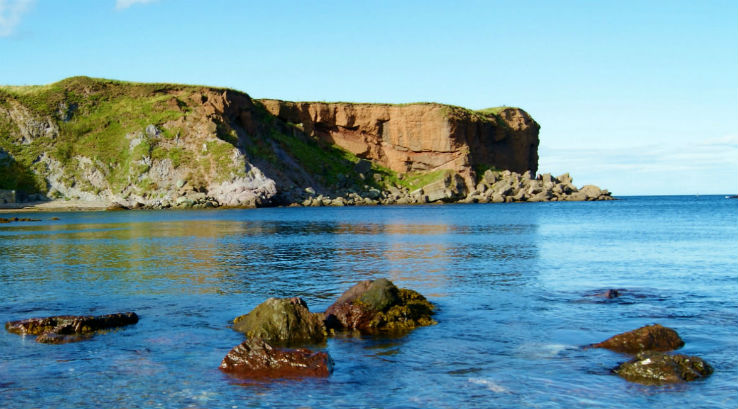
(369, 307)
(18, 219)
(652, 365)
(493, 187)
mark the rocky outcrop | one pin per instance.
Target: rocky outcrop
(175, 146)
(654, 368)
(372, 306)
(506, 186)
(448, 187)
(369, 306)
(284, 321)
(420, 137)
(649, 338)
(69, 328)
(254, 358)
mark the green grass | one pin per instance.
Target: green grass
(493, 110)
(325, 161)
(416, 180)
(105, 112)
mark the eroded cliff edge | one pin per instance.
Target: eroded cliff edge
(166, 145)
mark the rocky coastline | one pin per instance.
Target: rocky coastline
(159, 146)
(493, 187)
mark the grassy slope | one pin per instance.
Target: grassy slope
(94, 116)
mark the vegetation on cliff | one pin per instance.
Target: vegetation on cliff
(90, 135)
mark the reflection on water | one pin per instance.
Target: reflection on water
(514, 286)
(227, 256)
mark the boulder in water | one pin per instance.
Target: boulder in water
(649, 338)
(379, 305)
(255, 359)
(284, 321)
(69, 328)
(656, 368)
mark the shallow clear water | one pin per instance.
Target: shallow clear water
(515, 286)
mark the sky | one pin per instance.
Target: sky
(639, 97)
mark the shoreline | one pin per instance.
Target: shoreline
(54, 206)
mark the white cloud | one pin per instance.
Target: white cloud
(11, 12)
(124, 4)
(703, 154)
(707, 165)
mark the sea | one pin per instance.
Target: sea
(518, 289)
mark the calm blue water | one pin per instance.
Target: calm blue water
(514, 284)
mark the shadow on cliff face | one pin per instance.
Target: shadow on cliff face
(284, 152)
(15, 176)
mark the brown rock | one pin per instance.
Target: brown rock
(656, 368)
(69, 328)
(649, 338)
(255, 358)
(379, 305)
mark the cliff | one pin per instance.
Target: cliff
(420, 137)
(166, 145)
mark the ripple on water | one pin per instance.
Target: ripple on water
(516, 289)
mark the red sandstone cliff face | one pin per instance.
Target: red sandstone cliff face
(420, 137)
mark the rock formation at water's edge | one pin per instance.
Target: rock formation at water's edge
(164, 145)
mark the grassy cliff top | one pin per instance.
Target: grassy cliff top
(43, 97)
(486, 111)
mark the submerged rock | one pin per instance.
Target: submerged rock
(655, 368)
(379, 306)
(608, 293)
(611, 293)
(649, 338)
(282, 320)
(18, 219)
(255, 358)
(69, 328)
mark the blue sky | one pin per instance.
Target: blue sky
(640, 97)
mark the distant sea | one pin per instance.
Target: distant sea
(516, 287)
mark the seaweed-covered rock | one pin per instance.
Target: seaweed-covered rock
(379, 306)
(69, 328)
(255, 358)
(649, 338)
(282, 320)
(659, 368)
